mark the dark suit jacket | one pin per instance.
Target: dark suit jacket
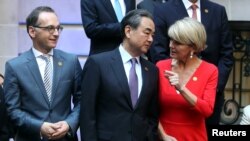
(4, 133)
(101, 24)
(219, 49)
(26, 98)
(149, 5)
(107, 113)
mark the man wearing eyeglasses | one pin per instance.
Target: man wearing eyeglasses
(40, 83)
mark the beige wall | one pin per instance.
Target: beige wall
(8, 31)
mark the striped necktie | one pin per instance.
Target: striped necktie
(48, 73)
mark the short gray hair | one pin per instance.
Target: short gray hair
(189, 31)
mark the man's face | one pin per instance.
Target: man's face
(140, 39)
(46, 33)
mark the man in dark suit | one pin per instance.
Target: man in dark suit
(150, 4)
(108, 111)
(40, 83)
(101, 24)
(219, 49)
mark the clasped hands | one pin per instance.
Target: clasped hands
(173, 79)
(54, 131)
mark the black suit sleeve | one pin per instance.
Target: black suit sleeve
(90, 87)
(154, 114)
(97, 22)
(4, 132)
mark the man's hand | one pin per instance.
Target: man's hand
(48, 129)
(61, 131)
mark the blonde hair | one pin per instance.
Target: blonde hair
(190, 32)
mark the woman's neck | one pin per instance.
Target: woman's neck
(187, 64)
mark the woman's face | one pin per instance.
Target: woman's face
(179, 51)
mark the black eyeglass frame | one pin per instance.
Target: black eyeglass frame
(51, 29)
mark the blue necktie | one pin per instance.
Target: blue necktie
(118, 10)
(133, 82)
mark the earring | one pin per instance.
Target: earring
(191, 55)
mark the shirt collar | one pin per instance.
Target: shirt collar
(188, 4)
(125, 55)
(38, 53)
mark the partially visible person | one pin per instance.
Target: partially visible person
(219, 49)
(4, 134)
(101, 22)
(1, 79)
(150, 4)
(119, 88)
(40, 84)
(245, 119)
(187, 84)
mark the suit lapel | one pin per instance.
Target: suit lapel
(58, 64)
(118, 69)
(145, 81)
(129, 6)
(34, 70)
(205, 13)
(108, 5)
(180, 9)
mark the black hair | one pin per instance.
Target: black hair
(133, 19)
(32, 19)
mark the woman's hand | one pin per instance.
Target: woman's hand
(173, 79)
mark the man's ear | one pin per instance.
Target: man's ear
(31, 31)
(127, 31)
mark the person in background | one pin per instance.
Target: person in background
(122, 106)
(6, 128)
(1, 79)
(40, 83)
(149, 5)
(219, 49)
(4, 134)
(101, 22)
(245, 119)
(187, 84)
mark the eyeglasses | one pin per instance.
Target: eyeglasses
(51, 29)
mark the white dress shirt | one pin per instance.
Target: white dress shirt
(127, 65)
(188, 5)
(41, 62)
